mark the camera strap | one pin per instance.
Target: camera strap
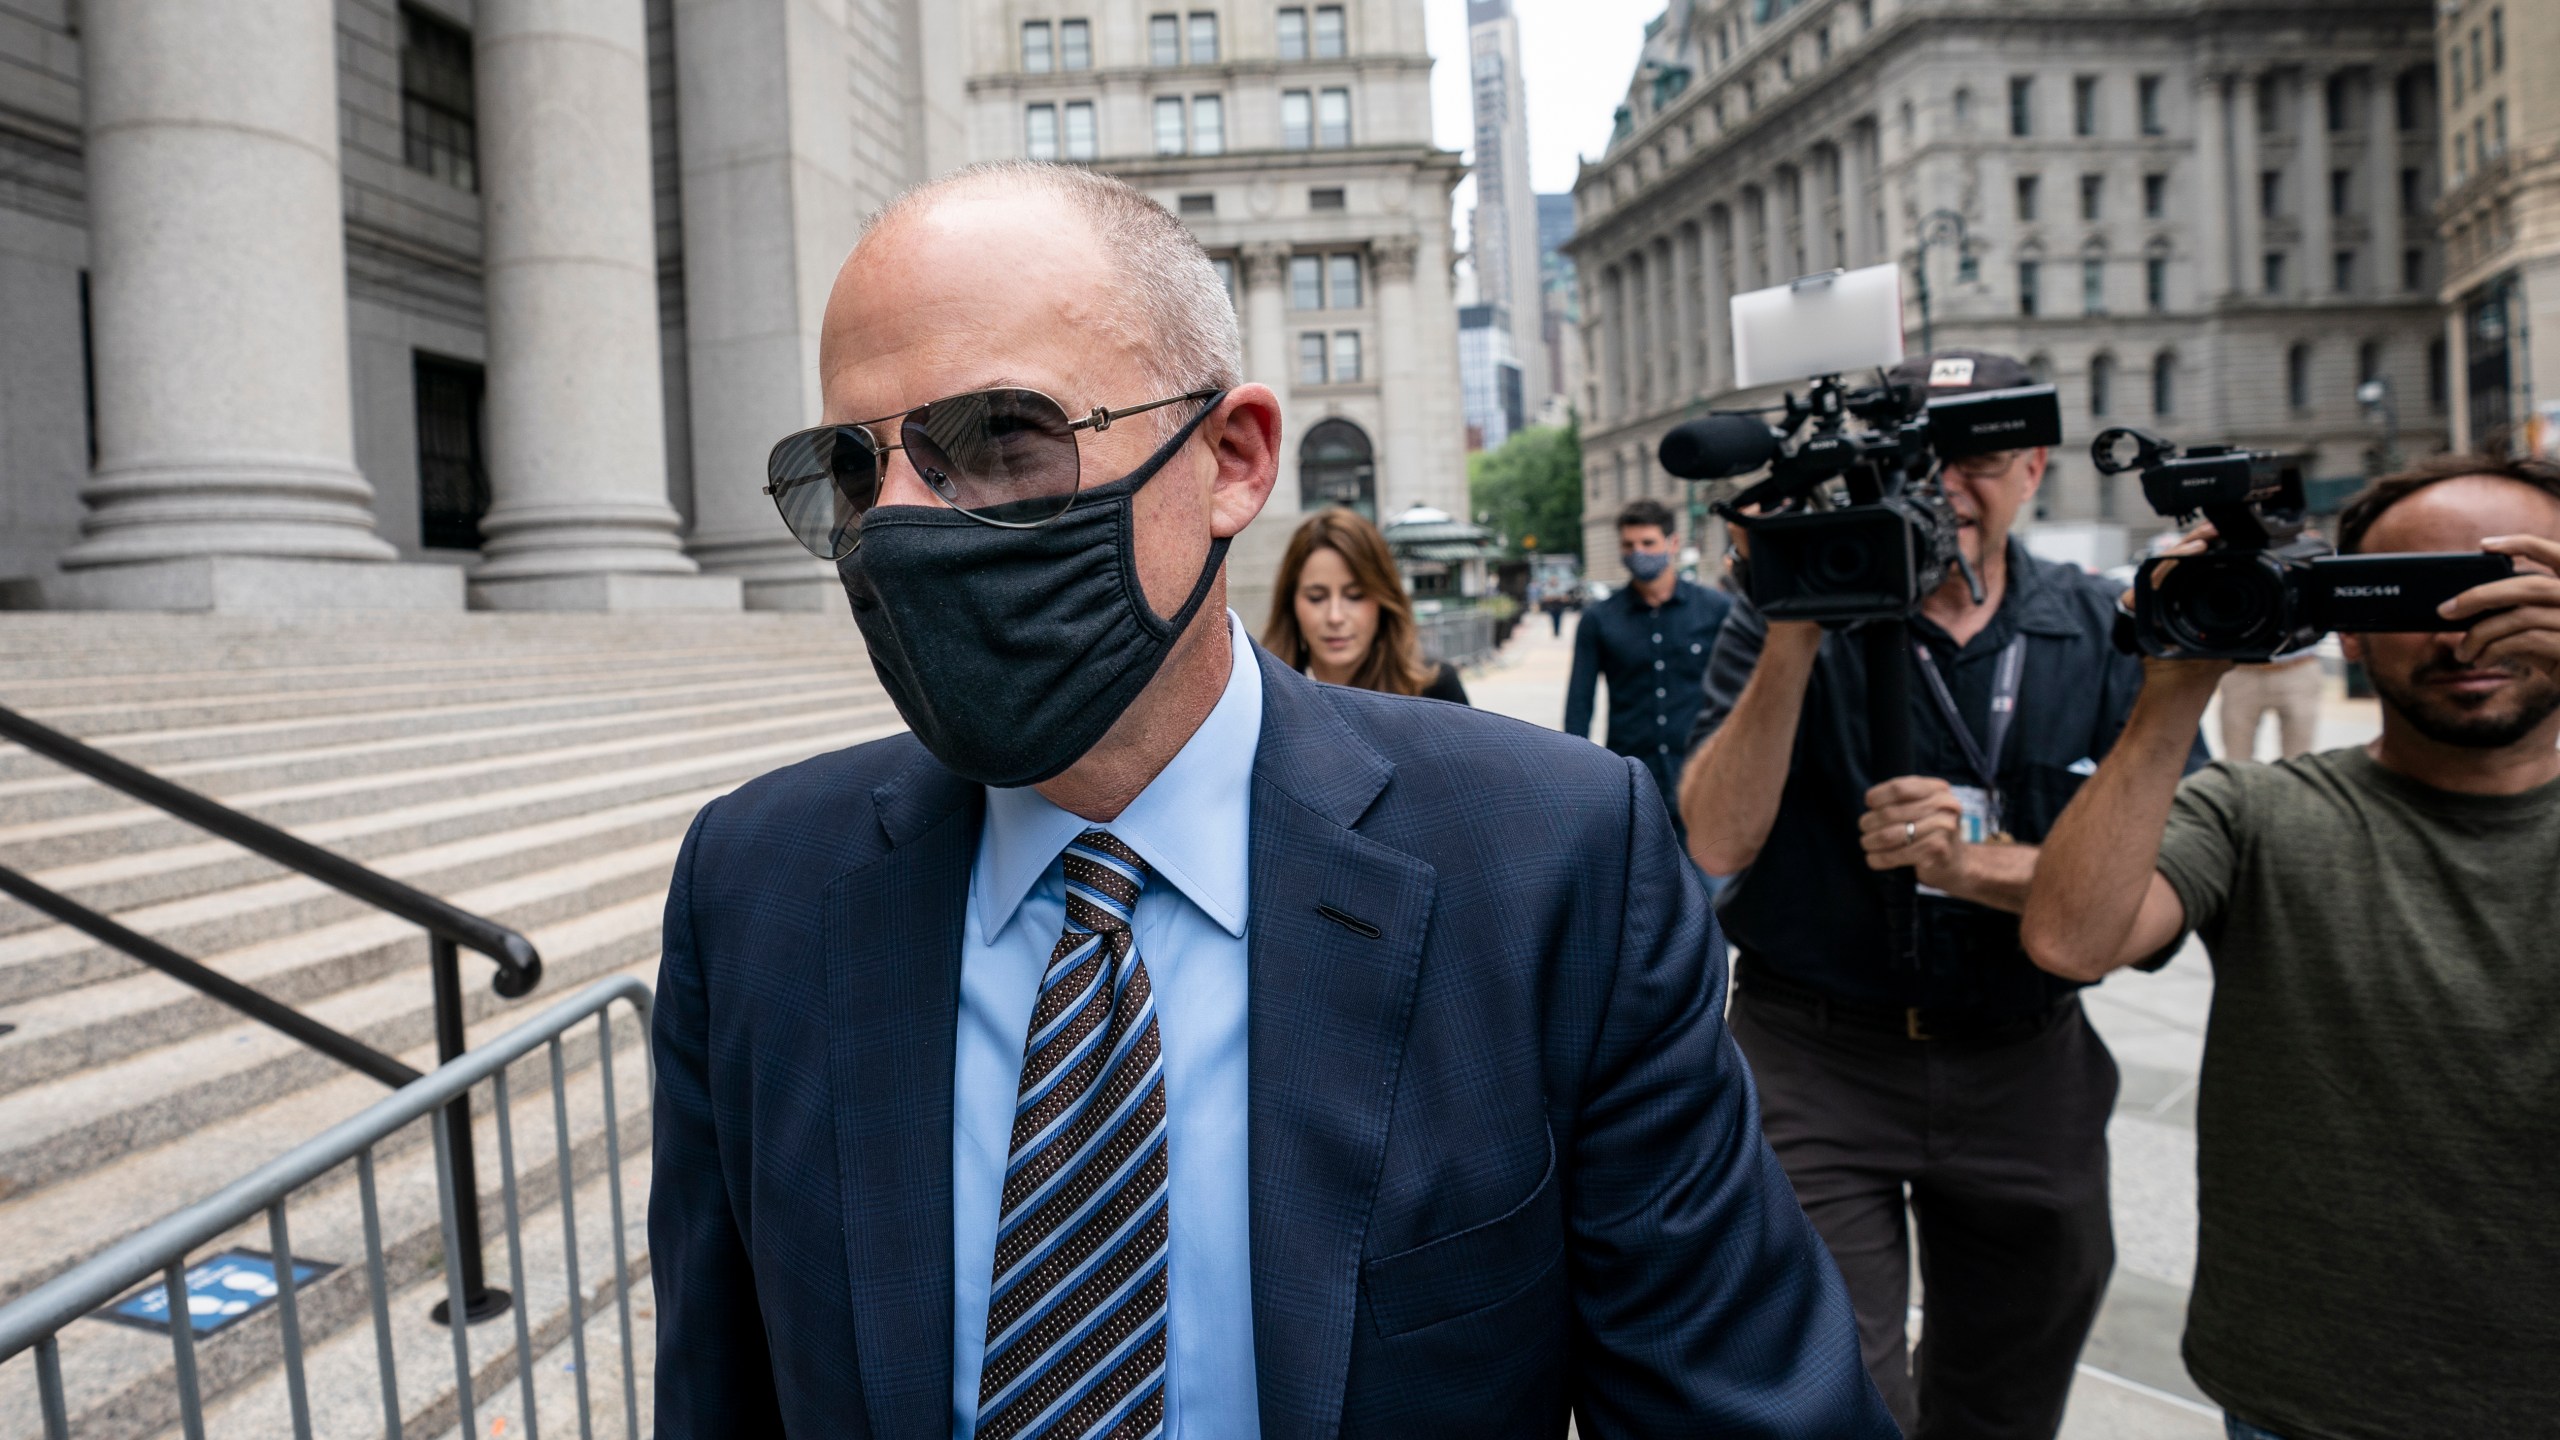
(1983, 759)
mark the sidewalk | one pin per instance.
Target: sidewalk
(2132, 1384)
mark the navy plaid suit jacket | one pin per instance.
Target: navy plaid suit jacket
(1505, 1158)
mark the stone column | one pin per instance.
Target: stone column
(1614, 379)
(226, 475)
(579, 518)
(1671, 339)
(2311, 161)
(770, 211)
(2382, 181)
(2215, 208)
(1854, 210)
(1715, 252)
(1269, 356)
(1403, 450)
(1773, 222)
(2248, 275)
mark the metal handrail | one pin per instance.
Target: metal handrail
(32, 1320)
(448, 928)
(519, 966)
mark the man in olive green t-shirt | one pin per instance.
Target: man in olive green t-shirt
(2378, 1123)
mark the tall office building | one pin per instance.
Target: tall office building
(2213, 220)
(1505, 238)
(2501, 221)
(314, 305)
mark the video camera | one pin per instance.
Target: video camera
(2262, 589)
(1851, 523)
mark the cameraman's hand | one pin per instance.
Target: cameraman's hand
(1916, 822)
(1796, 640)
(2528, 630)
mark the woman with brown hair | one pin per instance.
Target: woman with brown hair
(1339, 613)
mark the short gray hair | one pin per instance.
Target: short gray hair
(1183, 324)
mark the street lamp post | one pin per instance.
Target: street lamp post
(1938, 227)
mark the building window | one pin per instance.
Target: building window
(2093, 190)
(2333, 103)
(1037, 58)
(1083, 142)
(1333, 119)
(2093, 287)
(1204, 38)
(2412, 197)
(1963, 105)
(1297, 119)
(2297, 376)
(1325, 197)
(1346, 356)
(2102, 384)
(2404, 100)
(1169, 125)
(1968, 266)
(1306, 282)
(2342, 189)
(2146, 92)
(2084, 105)
(2497, 41)
(2155, 196)
(1164, 39)
(2164, 384)
(2026, 198)
(2439, 379)
(2155, 283)
(1208, 125)
(1075, 45)
(1330, 37)
(453, 471)
(2342, 272)
(2456, 68)
(2498, 126)
(2368, 361)
(2274, 272)
(1293, 33)
(439, 133)
(2029, 274)
(1205, 203)
(2461, 157)
(1343, 276)
(1311, 358)
(2270, 193)
(2480, 139)
(2413, 269)
(2477, 79)
(1822, 46)
(2270, 105)
(1225, 265)
(2022, 105)
(1040, 132)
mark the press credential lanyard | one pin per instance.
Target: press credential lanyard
(1984, 759)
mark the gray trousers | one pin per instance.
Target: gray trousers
(1999, 1154)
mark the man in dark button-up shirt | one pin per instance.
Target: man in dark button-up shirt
(1651, 639)
(1968, 1093)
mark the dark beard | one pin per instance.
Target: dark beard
(2448, 722)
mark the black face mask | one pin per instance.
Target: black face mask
(1010, 652)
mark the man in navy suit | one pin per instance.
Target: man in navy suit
(1155, 1041)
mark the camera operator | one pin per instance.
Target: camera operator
(2376, 1156)
(1972, 1086)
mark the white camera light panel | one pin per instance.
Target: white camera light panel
(1835, 324)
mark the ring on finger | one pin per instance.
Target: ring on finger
(1910, 832)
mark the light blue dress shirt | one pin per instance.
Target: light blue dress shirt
(1192, 825)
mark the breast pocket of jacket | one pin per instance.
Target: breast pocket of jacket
(1473, 1269)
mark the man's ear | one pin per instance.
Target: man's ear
(2037, 460)
(1243, 435)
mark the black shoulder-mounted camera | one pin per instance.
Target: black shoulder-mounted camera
(2262, 588)
(1852, 523)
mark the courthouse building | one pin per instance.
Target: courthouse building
(2501, 218)
(2214, 220)
(315, 304)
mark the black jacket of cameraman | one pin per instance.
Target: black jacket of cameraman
(1808, 912)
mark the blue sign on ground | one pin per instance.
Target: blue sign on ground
(221, 1290)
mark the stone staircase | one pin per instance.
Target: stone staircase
(538, 770)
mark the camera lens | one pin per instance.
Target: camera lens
(1844, 562)
(2210, 603)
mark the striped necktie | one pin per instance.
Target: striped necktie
(1076, 1314)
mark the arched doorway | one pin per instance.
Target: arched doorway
(1334, 468)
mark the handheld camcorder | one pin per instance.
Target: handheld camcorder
(2262, 589)
(1851, 522)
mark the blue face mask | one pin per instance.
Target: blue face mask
(1647, 565)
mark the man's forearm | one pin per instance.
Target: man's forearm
(1997, 875)
(1730, 789)
(2085, 913)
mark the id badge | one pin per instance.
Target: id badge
(1978, 825)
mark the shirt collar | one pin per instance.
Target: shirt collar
(1191, 824)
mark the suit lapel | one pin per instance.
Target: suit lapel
(893, 995)
(1328, 1011)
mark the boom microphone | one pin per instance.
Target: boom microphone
(1718, 446)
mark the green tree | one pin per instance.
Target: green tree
(1529, 489)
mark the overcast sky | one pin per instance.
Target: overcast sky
(1577, 55)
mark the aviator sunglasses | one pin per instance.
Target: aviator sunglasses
(1004, 457)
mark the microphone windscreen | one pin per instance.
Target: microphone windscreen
(1718, 446)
